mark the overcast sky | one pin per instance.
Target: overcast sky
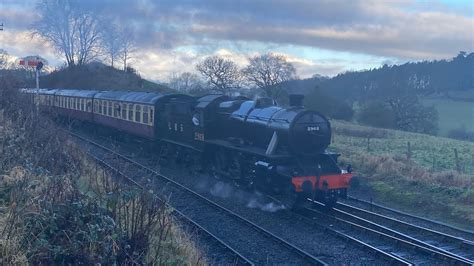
(318, 36)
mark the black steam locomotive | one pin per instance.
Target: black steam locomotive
(280, 151)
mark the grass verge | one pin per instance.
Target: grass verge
(404, 178)
(56, 214)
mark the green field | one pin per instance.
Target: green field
(453, 114)
(423, 179)
(431, 152)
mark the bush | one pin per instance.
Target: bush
(326, 105)
(376, 114)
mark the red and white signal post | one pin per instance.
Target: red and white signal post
(32, 61)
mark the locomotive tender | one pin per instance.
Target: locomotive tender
(280, 151)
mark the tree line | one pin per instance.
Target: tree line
(265, 72)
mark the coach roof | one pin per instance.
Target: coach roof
(76, 93)
(136, 97)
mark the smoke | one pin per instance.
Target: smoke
(222, 190)
(267, 207)
(253, 200)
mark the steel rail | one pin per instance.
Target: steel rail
(393, 235)
(434, 222)
(395, 259)
(396, 240)
(460, 242)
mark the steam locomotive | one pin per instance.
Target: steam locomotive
(280, 151)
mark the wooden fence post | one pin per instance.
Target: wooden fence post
(408, 150)
(434, 158)
(458, 165)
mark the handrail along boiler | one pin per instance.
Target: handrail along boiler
(278, 150)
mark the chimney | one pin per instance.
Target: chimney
(296, 100)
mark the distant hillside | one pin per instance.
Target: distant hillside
(451, 78)
(99, 77)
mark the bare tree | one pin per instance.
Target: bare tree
(88, 37)
(185, 82)
(268, 71)
(72, 31)
(126, 46)
(4, 59)
(111, 43)
(223, 75)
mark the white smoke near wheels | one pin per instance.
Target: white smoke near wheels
(251, 200)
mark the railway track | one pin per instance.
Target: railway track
(442, 242)
(351, 248)
(389, 240)
(225, 226)
(410, 218)
(312, 220)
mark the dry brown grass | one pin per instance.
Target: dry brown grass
(40, 169)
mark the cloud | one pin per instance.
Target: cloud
(172, 35)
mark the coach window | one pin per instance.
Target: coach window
(151, 115)
(70, 103)
(145, 114)
(138, 113)
(116, 110)
(109, 107)
(124, 111)
(89, 105)
(130, 112)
